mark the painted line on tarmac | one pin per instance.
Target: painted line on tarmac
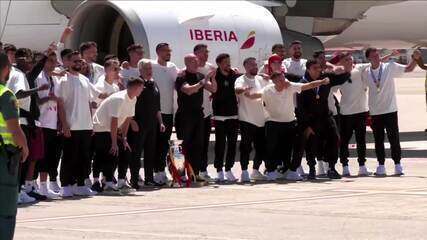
(194, 207)
(113, 233)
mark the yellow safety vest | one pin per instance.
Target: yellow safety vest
(4, 133)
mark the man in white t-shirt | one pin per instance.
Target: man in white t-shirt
(248, 89)
(49, 124)
(282, 137)
(136, 53)
(106, 84)
(112, 113)
(89, 51)
(202, 53)
(383, 106)
(295, 64)
(164, 74)
(22, 83)
(75, 93)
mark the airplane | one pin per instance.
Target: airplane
(241, 28)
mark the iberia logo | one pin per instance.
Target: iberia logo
(250, 41)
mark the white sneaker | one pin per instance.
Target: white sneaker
(398, 170)
(300, 171)
(280, 176)
(220, 177)
(141, 181)
(84, 191)
(53, 185)
(363, 171)
(88, 183)
(257, 175)
(36, 186)
(229, 176)
(244, 177)
(205, 176)
(293, 176)
(47, 192)
(321, 168)
(346, 171)
(110, 187)
(66, 192)
(381, 171)
(271, 176)
(24, 198)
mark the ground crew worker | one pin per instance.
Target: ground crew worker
(13, 148)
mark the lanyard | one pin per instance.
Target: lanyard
(377, 81)
(50, 81)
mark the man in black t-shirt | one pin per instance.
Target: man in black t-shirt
(190, 111)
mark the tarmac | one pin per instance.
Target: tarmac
(351, 208)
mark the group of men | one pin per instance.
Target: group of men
(97, 119)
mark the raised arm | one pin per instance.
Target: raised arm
(314, 84)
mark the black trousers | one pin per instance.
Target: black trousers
(52, 153)
(123, 161)
(353, 123)
(207, 126)
(23, 166)
(251, 135)
(192, 134)
(163, 143)
(95, 164)
(102, 151)
(283, 144)
(225, 132)
(75, 158)
(324, 142)
(388, 122)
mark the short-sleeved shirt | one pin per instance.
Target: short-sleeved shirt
(354, 98)
(280, 106)
(104, 87)
(189, 104)
(18, 82)
(165, 77)
(295, 67)
(77, 92)
(383, 100)
(9, 106)
(48, 111)
(119, 106)
(251, 110)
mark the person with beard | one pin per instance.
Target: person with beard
(383, 105)
(190, 111)
(225, 111)
(74, 94)
(248, 89)
(89, 52)
(283, 139)
(315, 118)
(148, 118)
(164, 74)
(295, 64)
(48, 119)
(13, 148)
(22, 83)
(202, 53)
